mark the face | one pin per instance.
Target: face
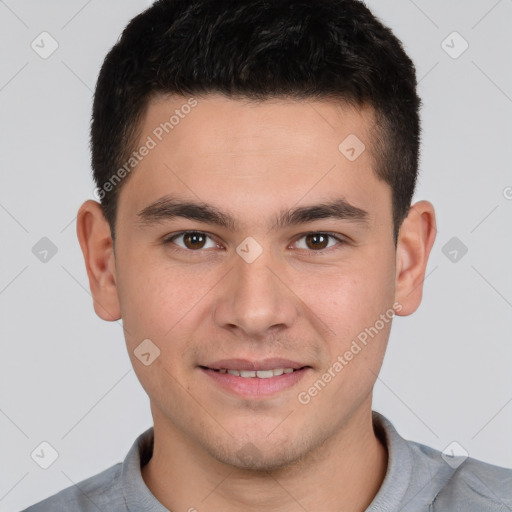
(256, 271)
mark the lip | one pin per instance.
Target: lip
(263, 364)
(254, 387)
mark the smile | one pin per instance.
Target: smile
(255, 384)
(260, 374)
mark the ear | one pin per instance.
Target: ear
(97, 246)
(415, 240)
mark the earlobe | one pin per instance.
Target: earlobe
(95, 239)
(416, 238)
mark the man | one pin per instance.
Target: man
(256, 163)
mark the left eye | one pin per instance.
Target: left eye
(196, 240)
(318, 241)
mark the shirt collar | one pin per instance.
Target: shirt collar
(399, 470)
(396, 482)
(136, 494)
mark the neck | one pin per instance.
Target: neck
(345, 472)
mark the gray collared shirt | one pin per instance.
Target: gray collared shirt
(418, 479)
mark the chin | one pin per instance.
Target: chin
(260, 456)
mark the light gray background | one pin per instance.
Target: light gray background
(65, 374)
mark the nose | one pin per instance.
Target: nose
(255, 299)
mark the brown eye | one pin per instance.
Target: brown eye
(317, 241)
(194, 240)
(191, 240)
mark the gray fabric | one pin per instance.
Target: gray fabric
(417, 480)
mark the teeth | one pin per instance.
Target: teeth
(262, 374)
(265, 374)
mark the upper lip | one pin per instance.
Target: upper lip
(263, 364)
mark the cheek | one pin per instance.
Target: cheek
(351, 299)
(159, 301)
(156, 306)
(144, 297)
(352, 306)
(345, 300)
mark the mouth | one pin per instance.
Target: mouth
(255, 379)
(258, 374)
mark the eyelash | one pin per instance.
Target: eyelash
(169, 241)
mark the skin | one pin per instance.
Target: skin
(294, 301)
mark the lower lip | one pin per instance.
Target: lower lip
(253, 386)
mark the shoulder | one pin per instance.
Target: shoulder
(466, 484)
(111, 489)
(420, 477)
(477, 486)
(99, 492)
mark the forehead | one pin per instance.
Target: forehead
(244, 125)
(220, 150)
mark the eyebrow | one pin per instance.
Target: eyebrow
(169, 207)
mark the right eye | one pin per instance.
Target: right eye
(192, 241)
